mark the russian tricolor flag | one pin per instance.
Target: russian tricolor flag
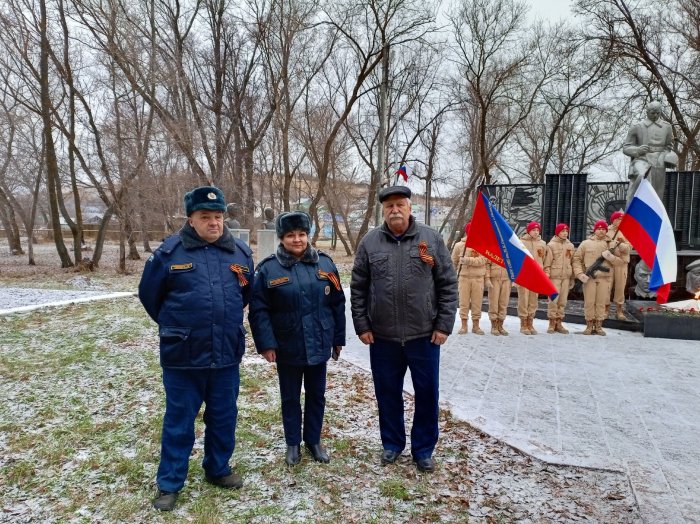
(491, 236)
(647, 227)
(404, 171)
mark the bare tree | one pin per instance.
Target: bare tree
(7, 210)
(656, 47)
(368, 30)
(499, 75)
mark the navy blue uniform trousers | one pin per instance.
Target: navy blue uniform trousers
(389, 361)
(185, 390)
(314, 378)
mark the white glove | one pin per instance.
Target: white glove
(488, 284)
(583, 277)
(607, 255)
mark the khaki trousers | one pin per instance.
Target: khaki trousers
(527, 302)
(555, 308)
(596, 293)
(619, 281)
(471, 295)
(499, 294)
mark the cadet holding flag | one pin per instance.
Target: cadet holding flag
(471, 277)
(527, 300)
(619, 277)
(195, 287)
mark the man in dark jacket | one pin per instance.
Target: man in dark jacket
(404, 298)
(195, 287)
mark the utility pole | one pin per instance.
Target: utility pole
(381, 142)
(428, 191)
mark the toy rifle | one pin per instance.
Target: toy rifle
(597, 265)
(464, 252)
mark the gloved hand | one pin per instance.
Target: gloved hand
(488, 284)
(583, 277)
(607, 255)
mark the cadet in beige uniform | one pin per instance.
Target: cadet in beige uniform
(596, 289)
(499, 294)
(527, 300)
(471, 278)
(619, 279)
(558, 267)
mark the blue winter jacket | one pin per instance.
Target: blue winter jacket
(296, 309)
(196, 292)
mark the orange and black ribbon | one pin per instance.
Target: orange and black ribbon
(332, 277)
(239, 270)
(424, 255)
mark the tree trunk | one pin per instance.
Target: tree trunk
(131, 239)
(101, 232)
(9, 222)
(32, 219)
(144, 236)
(122, 248)
(51, 162)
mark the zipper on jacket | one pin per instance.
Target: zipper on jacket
(398, 280)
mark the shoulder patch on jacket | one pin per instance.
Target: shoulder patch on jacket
(181, 267)
(278, 281)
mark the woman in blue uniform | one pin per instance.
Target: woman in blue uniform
(297, 317)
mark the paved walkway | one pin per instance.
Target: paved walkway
(17, 299)
(621, 402)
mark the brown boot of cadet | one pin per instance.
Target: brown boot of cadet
(552, 326)
(475, 328)
(589, 328)
(559, 328)
(501, 329)
(598, 327)
(524, 327)
(619, 314)
(532, 329)
(494, 328)
(463, 327)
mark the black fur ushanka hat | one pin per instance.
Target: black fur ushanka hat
(292, 221)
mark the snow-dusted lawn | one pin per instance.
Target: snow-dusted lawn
(80, 414)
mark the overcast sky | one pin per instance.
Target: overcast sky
(551, 10)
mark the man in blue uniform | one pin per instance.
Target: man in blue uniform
(403, 296)
(195, 287)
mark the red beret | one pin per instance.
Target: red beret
(560, 227)
(467, 227)
(601, 224)
(532, 225)
(616, 215)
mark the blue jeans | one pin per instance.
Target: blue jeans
(314, 378)
(389, 362)
(185, 390)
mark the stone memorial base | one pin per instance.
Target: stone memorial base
(665, 322)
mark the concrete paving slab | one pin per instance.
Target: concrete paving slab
(620, 402)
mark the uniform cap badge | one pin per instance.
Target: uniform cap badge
(211, 196)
